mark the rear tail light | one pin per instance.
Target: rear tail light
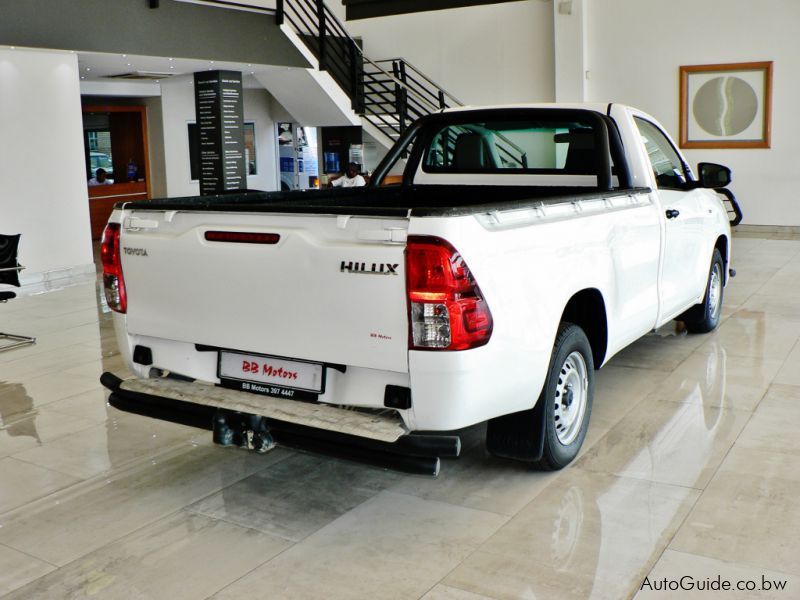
(446, 308)
(113, 281)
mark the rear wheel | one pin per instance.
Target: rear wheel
(567, 398)
(550, 435)
(705, 317)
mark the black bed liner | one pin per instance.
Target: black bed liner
(395, 201)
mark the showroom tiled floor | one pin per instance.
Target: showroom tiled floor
(690, 468)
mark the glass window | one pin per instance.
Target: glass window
(665, 160)
(528, 147)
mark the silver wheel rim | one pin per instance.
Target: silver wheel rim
(715, 291)
(572, 390)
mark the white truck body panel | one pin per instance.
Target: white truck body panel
(282, 299)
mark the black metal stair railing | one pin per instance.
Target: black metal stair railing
(391, 94)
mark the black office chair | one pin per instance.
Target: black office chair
(9, 275)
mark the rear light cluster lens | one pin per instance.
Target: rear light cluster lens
(446, 308)
(113, 281)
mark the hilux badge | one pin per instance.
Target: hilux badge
(369, 268)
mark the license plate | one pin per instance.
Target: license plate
(271, 375)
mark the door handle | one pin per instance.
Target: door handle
(672, 213)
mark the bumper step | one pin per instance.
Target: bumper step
(384, 428)
(380, 440)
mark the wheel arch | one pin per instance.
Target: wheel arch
(587, 309)
(723, 245)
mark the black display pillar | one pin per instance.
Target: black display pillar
(219, 106)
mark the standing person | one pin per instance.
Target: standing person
(100, 178)
(351, 178)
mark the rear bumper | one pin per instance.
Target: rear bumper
(412, 453)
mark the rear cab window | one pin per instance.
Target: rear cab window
(541, 151)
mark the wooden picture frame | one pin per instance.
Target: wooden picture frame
(726, 105)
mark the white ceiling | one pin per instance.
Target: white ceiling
(95, 68)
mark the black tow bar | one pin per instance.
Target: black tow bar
(411, 453)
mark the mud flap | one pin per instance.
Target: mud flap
(518, 436)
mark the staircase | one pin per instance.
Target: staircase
(388, 95)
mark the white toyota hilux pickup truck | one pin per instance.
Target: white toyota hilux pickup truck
(520, 250)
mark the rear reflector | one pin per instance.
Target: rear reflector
(446, 308)
(113, 281)
(242, 237)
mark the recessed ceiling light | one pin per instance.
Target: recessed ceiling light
(249, 65)
(88, 68)
(124, 56)
(129, 64)
(82, 77)
(171, 67)
(13, 47)
(252, 72)
(171, 59)
(212, 62)
(158, 81)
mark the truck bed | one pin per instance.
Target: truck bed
(397, 201)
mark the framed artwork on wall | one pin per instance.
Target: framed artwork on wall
(726, 105)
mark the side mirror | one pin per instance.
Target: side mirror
(713, 175)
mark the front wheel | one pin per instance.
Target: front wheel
(705, 317)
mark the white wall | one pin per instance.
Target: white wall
(177, 107)
(43, 192)
(635, 48)
(494, 54)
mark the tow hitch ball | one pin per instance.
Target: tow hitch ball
(246, 431)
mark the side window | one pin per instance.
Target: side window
(667, 165)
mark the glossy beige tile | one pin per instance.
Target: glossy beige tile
(446, 592)
(32, 429)
(668, 442)
(618, 389)
(66, 526)
(748, 514)
(112, 445)
(694, 577)
(758, 335)
(17, 569)
(785, 305)
(391, 546)
(662, 350)
(710, 377)
(91, 405)
(774, 425)
(184, 556)
(297, 496)
(47, 363)
(790, 371)
(587, 535)
(21, 483)
(20, 395)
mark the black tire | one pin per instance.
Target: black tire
(560, 450)
(705, 317)
(534, 436)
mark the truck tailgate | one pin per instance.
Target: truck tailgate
(330, 289)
